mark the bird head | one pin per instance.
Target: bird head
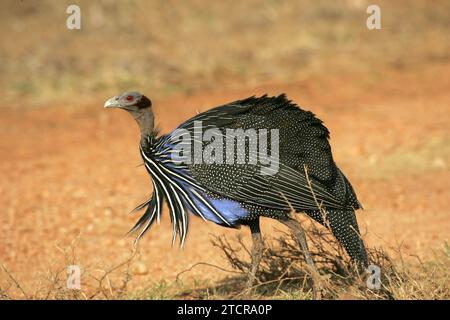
(138, 105)
(131, 101)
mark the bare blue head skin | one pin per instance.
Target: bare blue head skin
(139, 106)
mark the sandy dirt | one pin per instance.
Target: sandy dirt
(70, 174)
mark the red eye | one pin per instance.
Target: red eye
(129, 98)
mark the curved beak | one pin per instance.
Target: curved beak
(112, 102)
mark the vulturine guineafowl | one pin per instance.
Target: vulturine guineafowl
(266, 179)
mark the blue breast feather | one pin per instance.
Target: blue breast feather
(229, 209)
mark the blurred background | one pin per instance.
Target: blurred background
(69, 168)
(172, 47)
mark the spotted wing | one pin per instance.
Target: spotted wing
(303, 145)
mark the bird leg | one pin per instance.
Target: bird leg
(257, 253)
(299, 234)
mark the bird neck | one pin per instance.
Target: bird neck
(145, 120)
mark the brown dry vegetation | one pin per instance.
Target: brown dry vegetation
(69, 168)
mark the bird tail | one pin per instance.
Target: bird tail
(344, 227)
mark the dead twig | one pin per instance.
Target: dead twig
(15, 281)
(204, 264)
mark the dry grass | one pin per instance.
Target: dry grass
(110, 283)
(283, 274)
